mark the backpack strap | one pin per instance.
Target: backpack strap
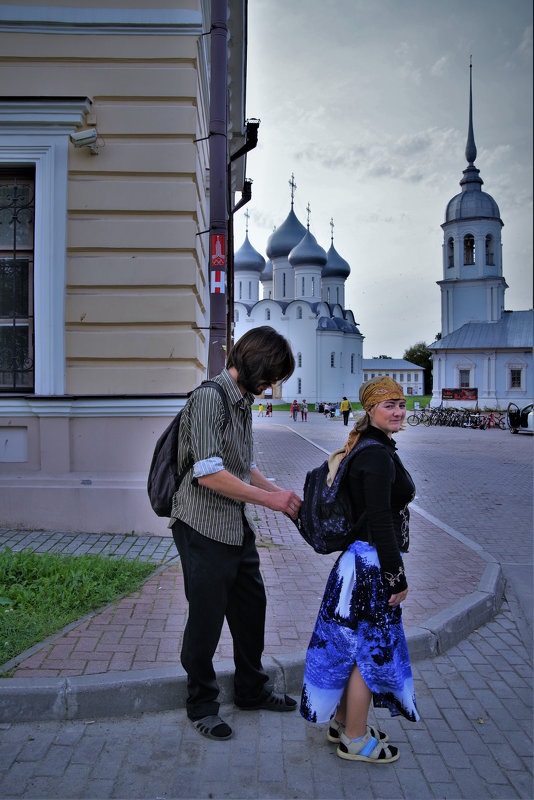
(222, 394)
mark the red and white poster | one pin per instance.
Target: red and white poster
(218, 250)
(218, 281)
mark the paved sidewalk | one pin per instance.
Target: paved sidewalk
(125, 658)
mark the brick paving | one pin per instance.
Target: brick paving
(144, 630)
(474, 739)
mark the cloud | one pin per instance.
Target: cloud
(439, 68)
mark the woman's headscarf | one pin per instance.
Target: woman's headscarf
(371, 392)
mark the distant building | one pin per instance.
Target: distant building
(483, 347)
(303, 298)
(410, 376)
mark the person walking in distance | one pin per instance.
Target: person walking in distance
(345, 409)
(358, 651)
(304, 411)
(214, 532)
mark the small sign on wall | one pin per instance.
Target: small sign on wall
(218, 250)
(218, 281)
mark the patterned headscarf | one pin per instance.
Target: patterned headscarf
(371, 392)
(379, 389)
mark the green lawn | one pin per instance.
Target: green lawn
(41, 593)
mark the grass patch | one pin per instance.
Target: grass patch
(40, 593)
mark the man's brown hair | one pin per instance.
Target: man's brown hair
(261, 354)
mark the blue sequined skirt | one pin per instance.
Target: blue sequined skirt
(355, 625)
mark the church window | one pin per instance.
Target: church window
(408, 376)
(328, 295)
(17, 202)
(267, 313)
(394, 376)
(401, 376)
(249, 290)
(366, 376)
(489, 251)
(313, 286)
(450, 252)
(299, 385)
(465, 378)
(515, 378)
(240, 290)
(299, 359)
(303, 287)
(337, 294)
(332, 359)
(283, 284)
(270, 294)
(469, 249)
(299, 312)
(352, 363)
(236, 316)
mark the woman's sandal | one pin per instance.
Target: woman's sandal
(366, 748)
(213, 727)
(336, 728)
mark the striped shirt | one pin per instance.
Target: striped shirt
(212, 449)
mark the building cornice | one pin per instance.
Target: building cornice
(83, 407)
(131, 21)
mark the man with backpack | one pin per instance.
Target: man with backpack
(214, 534)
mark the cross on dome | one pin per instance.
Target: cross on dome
(247, 217)
(293, 186)
(308, 212)
(332, 229)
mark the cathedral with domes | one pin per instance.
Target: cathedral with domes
(303, 298)
(485, 352)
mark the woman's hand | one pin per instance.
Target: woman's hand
(397, 599)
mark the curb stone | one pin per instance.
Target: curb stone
(116, 694)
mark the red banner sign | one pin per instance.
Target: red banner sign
(218, 250)
(459, 394)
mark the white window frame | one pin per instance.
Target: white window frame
(37, 133)
(516, 365)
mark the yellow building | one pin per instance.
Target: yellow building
(104, 213)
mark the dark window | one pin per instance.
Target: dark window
(17, 198)
(332, 359)
(465, 378)
(469, 249)
(299, 359)
(515, 378)
(490, 258)
(450, 252)
(268, 313)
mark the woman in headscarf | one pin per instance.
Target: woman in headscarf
(358, 651)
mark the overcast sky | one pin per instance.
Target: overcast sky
(366, 102)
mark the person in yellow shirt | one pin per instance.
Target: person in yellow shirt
(345, 409)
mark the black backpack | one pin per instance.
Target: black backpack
(325, 517)
(163, 477)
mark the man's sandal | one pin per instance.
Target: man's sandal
(270, 702)
(336, 728)
(213, 727)
(366, 748)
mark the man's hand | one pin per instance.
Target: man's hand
(286, 501)
(397, 599)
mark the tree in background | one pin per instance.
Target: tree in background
(420, 354)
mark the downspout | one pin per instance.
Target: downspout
(218, 186)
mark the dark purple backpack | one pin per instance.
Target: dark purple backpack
(325, 519)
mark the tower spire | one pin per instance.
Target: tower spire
(470, 148)
(332, 230)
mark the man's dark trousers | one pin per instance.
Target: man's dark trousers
(221, 580)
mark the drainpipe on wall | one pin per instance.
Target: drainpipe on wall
(218, 189)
